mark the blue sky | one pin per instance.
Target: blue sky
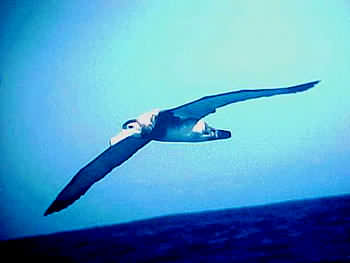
(72, 73)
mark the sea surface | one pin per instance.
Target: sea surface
(315, 230)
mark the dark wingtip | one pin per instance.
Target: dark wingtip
(56, 206)
(50, 210)
(310, 84)
(46, 213)
(315, 82)
(303, 87)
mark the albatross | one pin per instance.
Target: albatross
(180, 124)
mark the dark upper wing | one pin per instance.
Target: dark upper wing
(199, 108)
(95, 171)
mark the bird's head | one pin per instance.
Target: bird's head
(131, 124)
(140, 127)
(147, 121)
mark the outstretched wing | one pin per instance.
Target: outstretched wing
(199, 108)
(96, 170)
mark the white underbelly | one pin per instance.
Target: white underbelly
(184, 133)
(175, 136)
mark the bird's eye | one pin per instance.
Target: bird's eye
(130, 124)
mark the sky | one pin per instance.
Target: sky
(72, 72)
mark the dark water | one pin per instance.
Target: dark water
(315, 230)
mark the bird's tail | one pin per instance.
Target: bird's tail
(222, 134)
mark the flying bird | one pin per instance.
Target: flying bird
(181, 124)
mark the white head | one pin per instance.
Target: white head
(139, 127)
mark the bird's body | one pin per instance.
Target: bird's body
(181, 124)
(170, 128)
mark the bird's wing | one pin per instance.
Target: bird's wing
(199, 108)
(96, 170)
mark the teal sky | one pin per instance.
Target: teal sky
(72, 73)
